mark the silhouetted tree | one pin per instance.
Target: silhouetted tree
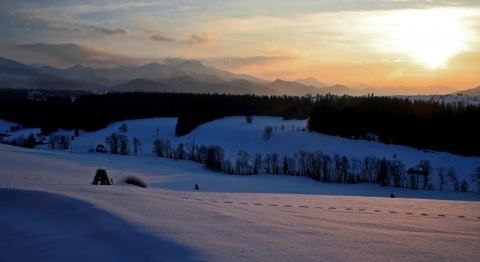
(242, 165)
(475, 177)
(452, 177)
(441, 177)
(137, 146)
(425, 169)
(464, 186)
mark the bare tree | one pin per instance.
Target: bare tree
(441, 177)
(368, 168)
(180, 152)
(257, 163)
(475, 176)
(452, 177)
(267, 132)
(242, 165)
(267, 163)
(161, 147)
(464, 186)
(425, 168)
(382, 172)
(124, 149)
(275, 163)
(113, 141)
(301, 157)
(191, 150)
(397, 172)
(137, 146)
(59, 141)
(123, 128)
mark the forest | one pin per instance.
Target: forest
(426, 125)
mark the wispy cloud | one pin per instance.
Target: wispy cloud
(71, 54)
(270, 46)
(162, 38)
(234, 63)
(112, 32)
(201, 39)
(66, 21)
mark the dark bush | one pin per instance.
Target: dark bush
(132, 180)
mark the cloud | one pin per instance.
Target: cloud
(64, 22)
(162, 38)
(270, 46)
(112, 32)
(71, 54)
(200, 39)
(244, 62)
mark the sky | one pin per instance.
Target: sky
(417, 43)
(51, 212)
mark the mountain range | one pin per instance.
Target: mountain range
(190, 76)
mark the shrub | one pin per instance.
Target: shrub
(133, 180)
(101, 177)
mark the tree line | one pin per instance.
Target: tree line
(428, 125)
(320, 166)
(431, 125)
(93, 112)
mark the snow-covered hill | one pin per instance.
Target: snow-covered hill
(51, 212)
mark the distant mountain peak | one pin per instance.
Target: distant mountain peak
(311, 81)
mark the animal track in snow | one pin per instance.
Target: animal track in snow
(331, 208)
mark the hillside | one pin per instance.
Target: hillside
(50, 208)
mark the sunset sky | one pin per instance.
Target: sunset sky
(419, 43)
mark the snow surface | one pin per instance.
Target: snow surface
(49, 211)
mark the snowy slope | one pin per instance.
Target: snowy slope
(50, 212)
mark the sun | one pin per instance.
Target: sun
(430, 36)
